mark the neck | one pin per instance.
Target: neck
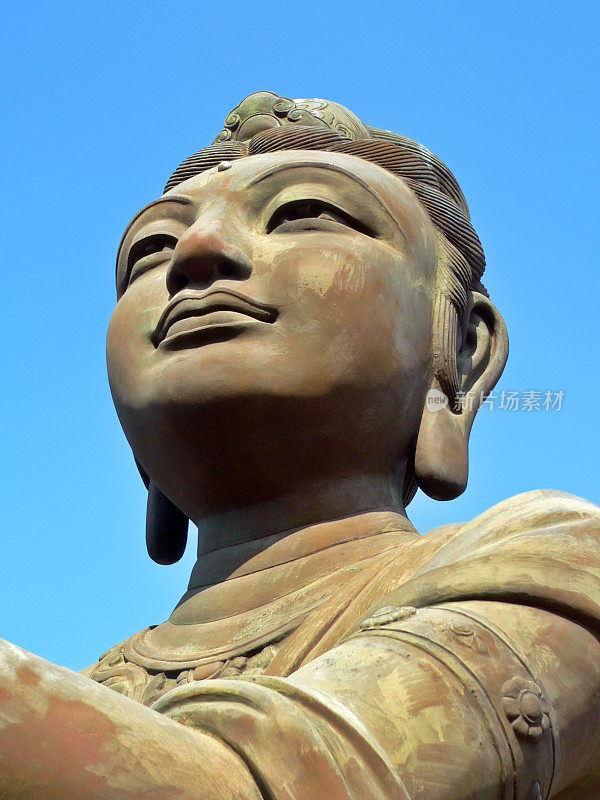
(256, 557)
(328, 510)
(328, 500)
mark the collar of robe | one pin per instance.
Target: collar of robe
(266, 596)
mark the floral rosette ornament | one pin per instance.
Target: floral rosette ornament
(525, 707)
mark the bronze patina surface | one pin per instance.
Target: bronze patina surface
(286, 308)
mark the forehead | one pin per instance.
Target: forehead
(252, 177)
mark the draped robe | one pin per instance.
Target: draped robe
(461, 664)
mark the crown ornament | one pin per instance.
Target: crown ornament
(262, 111)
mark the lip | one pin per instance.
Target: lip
(191, 304)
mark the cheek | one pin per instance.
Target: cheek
(309, 271)
(368, 303)
(130, 352)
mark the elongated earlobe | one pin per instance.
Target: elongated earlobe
(166, 528)
(442, 450)
(442, 454)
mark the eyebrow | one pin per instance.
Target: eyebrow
(180, 199)
(277, 170)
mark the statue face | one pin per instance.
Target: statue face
(278, 312)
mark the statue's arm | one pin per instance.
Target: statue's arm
(464, 701)
(475, 699)
(65, 737)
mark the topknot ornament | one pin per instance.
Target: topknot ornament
(264, 110)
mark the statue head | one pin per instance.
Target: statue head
(303, 302)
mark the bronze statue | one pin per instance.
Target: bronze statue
(287, 309)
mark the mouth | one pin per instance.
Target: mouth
(205, 316)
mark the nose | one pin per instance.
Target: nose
(203, 255)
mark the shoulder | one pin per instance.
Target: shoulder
(540, 548)
(543, 512)
(520, 549)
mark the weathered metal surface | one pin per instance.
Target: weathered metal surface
(285, 310)
(64, 737)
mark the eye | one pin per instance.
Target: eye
(313, 215)
(149, 252)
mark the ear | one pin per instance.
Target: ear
(166, 525)
(166, 528)
(442, 451)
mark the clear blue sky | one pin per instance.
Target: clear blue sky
(103, 100)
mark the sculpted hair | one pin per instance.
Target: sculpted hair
(461, 261)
